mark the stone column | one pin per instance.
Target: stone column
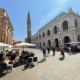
(75, 38)
(72, 38)
(59, 43)
(54, 43)
(51, 43)
(62, 42)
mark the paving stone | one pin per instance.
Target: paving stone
(51, 69)
(66, 78)
(77, 77)
(49, 76)
(39, 78)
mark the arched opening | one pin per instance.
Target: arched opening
(39, 44)
(76, 23)
(56, 43)
(43, 34)
(43, 43)
(55, 29)
(49, 43)
(39, 36)
(48, 32)
(65, 25)
(78, 37)
(66, 40)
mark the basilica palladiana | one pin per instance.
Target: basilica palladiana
(62, 29)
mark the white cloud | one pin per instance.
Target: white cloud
(55, 10)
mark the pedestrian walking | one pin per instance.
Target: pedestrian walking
(69, 48)
(48, 51)
(44, 53)
(62, 51)
(53, 49)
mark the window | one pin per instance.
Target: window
(48, 32)
(43, 34)
(78, 37)
(76, 23)
(39, 36)
(55, 29)
(65, 25)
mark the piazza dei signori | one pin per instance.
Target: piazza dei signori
(62, 29)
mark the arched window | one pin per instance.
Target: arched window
(55, 29)
(43, 34)
(65, 25)
(56, 42)
(48, 32)
(43, 43)
(76, 23)
(39, 36)
(66, 39)
(37, 44)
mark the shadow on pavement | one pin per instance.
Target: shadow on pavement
(27, 67)
(61, 58)
(73, 53)
(2, 75)
(41, 61)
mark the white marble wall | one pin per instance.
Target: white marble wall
(71, 33)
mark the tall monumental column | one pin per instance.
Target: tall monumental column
(28, 28)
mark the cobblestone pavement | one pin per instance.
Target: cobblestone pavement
(51, 69)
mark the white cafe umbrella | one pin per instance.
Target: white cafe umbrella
(31, 44)
(3, 45)
(23, 44)
(73, 43)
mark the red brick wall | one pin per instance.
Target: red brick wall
(7, 38)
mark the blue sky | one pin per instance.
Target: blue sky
(41, 12)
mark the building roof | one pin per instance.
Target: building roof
(53, 20)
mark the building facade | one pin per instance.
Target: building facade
(6, 28)
(60, 30)
(28, 39)
(16, 42)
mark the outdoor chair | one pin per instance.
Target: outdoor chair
(26, 59)
(32, 55)
(1, 57)
(3, 67)
(35, 59)
(29, 62)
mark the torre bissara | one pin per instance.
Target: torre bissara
(28, 38)
(62, 29)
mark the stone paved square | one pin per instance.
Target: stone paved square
(51, 69)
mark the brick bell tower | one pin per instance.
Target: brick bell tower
(28, 28)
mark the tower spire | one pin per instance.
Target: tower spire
(28, 28)
(28, 15)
